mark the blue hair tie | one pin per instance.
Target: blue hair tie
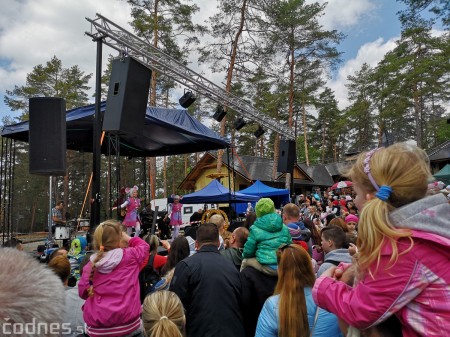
(384, 192)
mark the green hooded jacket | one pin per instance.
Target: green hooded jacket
(266, 235)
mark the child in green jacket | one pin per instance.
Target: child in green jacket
(266, 235)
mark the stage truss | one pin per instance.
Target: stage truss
(129, 44)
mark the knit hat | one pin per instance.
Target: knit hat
(264, 206)
(295, 231)
(351, 218)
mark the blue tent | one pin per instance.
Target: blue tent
(263, 191)
(278, 195)
(215, 192)
(166, 132)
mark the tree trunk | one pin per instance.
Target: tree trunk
(305, 126)
(152, 160)
(165, 176)
(417, 115)
(276, 155)
(323, 143)
(230, 77)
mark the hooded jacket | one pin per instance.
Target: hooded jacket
(333, 258)
(416, 288)
(265, 236)
(115, 308)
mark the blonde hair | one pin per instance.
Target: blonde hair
(295, 272)
(405, 169)
(163, 314)
(107, 237)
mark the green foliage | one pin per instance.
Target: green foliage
(51, 80)
(413, 14)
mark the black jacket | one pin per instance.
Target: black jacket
(257, 287)
(210, 289)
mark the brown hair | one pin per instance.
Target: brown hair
(163, 314)
(295, 272)
(61, 266)
(291, 211)
(335, 234)
(339, 222)
(405, 169)
(106, 237)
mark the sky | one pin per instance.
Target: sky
(32, 32)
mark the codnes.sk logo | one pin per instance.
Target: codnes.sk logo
(36, 328)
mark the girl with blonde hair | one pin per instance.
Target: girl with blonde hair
(110, 285)
(163, 315)
(291, 312)
(403, 242)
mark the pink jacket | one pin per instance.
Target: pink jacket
(416, 289)
(115, 308)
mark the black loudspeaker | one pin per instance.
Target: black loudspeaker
(286, 156)
(127, 96)
(47, 136)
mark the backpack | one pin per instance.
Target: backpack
(148, 277)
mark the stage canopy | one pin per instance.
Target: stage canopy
(166, 132)
(215, 193)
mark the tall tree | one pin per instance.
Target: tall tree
(417, 73)
(162, 23)
(233, 44)
(360, 114)
(50, 80)
(330, 126)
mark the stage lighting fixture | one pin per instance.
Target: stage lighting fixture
(220, 113)
(187, 99)
(239, 123)
(259, 132)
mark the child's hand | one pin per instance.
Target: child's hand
(352, 249)
(125, 237)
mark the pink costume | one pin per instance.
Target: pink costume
(176, 220)
(131, 219)
(132, 204)
(175, 217)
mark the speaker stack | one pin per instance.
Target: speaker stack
(286, 156)
(47, 136)
(127, 97)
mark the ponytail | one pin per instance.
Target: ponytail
(91, 275)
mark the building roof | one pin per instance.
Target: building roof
(440, 152)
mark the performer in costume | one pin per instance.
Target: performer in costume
(132, 204)
(176, 219)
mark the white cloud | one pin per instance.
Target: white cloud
(345, 13)
(32, 32)
(370, 53)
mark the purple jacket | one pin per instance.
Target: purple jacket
(416, 288)
(115, 308)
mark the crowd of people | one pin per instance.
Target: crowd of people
(369, 261)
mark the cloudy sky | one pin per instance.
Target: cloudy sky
(32, 32)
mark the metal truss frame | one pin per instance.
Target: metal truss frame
(129, 44)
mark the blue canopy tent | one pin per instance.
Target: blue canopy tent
(278, 195)
(215, 192)
(166, 132)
